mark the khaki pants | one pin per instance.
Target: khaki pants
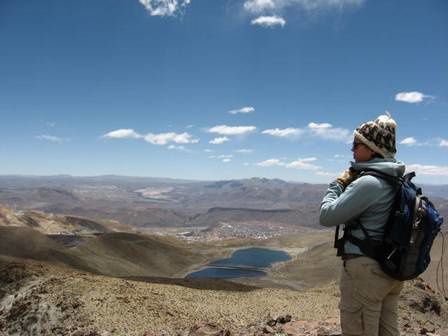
(369, 299)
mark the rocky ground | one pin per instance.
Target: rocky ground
(43, 299)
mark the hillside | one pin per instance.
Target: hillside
(49, 286)
(116, 254)
(49, 223)
(44, 299)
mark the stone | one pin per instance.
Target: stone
(294, 328)
(284, 319)
(77, 333)
(424, 331)
(268, 330)
(208, 329)
(433, 305)
(271, 322)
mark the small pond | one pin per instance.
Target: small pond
(249, 262)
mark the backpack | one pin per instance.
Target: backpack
(413, 224)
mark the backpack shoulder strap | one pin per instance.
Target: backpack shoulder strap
(368, 246)
(392, 180)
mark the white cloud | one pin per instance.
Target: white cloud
(245, 109)
(226, 160)
(165, 138)
(50, 138)
(326, 174)
(244, 151)
(155, 139)
(164, 7)
(321, 130)
(328, 132)
(179, 148)
(258, 6)
(284, 133)
(269, 21)
(222, 156)
(310, 159)
(208, 150)
(50, 124)
(317, 126)
(339, 158)
(431, 170)
(443, 143)
(124, 133)
(232, 130)
(412, 97)
(263, 6)
(304, 164)
(410, 141)
(270, 163)
(219, 141)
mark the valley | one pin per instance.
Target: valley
(123, 270)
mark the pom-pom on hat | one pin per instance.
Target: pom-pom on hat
(379, 135)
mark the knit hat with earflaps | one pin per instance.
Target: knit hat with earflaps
(379, 135)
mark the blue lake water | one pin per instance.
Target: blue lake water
(250, 262)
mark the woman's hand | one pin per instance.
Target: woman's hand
(347, 177)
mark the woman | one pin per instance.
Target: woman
(369, 297)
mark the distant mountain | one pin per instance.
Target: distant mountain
(154, 202)
(440, 191)
(147, 202)
(284, 216)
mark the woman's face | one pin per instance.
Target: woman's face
(361, 152)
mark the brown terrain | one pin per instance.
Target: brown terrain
(65, 273)
(129, 284)
(45, 299)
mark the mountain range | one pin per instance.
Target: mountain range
(144, 203)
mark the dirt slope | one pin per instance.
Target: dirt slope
(116, 254)
(42, 299)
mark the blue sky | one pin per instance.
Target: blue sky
(219, 89)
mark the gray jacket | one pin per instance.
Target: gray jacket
(368, 200)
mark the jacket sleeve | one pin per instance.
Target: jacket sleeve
(339, 207)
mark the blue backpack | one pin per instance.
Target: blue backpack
(413, 224)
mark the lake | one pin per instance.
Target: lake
(249, 262)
